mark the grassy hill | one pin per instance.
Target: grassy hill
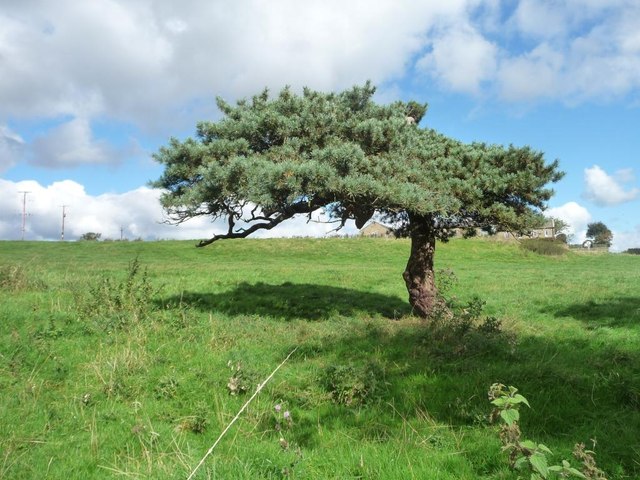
(127, 359)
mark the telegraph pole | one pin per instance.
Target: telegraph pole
(64, 215)
(24, 211)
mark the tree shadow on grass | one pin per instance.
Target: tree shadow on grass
(577, 390)
(291, 300)
(612, 312)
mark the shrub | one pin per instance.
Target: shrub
(90, 236)
(633, 251)
(544, 246)
(458, 328)
(353, 384)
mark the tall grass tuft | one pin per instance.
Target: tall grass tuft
(15, 278)
(118, 303)
(544, 246)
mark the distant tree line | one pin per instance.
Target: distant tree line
(90, 236)
(94, 237)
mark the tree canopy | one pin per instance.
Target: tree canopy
(269, 159)
(599, 233)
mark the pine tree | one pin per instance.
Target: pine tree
(269, 159)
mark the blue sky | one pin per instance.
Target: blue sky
(89, 90)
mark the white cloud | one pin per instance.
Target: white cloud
(141, 61)
(158, 65)
(625, 240)
(572, 51)
(11, 147)
(539, 19)
(531, 76)
(461, 60)
(70, 144)
(138, 213)
(606, 190)
(598, 44)
(575, 215)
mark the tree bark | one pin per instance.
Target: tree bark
(419, 275)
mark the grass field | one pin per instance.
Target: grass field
(127, 360)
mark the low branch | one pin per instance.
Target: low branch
(285, 214)
(244, 233)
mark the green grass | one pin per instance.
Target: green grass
(92, 385)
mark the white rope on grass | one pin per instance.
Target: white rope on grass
(238, 415)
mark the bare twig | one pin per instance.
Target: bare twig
(238, 415)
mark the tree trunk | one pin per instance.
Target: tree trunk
(419, 275)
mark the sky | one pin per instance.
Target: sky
(90, 90)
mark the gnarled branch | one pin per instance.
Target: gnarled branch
(284, 214)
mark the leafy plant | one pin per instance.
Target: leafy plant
(166, 388)
(586, 457)
(526, 455)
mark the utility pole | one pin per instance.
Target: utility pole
(121, 233)
(24, 210)
(64, 214)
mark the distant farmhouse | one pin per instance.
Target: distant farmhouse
(548, 230)
(375, 229)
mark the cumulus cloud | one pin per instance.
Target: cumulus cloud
(590, 49)
(571, 51)
(11, 147)
(145, 61)
(461, 60)
(71, 144)
(138, 60)
(623, 240)
(575, 215)
(539, 19)
(534, 75)
(606, 190)
(134, 214)
(157, 65)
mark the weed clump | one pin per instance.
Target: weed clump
(353, 385)
(119, 303)
(544, 246)
(241, 381)
(14, 278)
(197, 422)
(458, 327)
